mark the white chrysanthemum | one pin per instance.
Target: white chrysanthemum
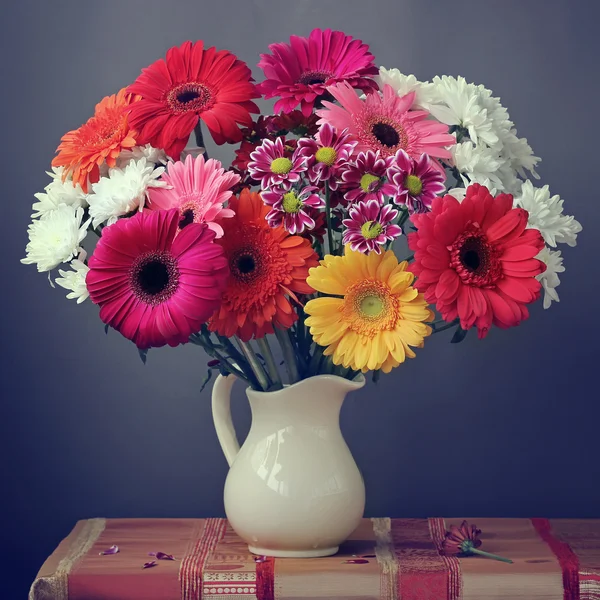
(58, 192)
(55, 237)
(546, 214)
(478, 163)
(549, 278)
(123, 191)
(425, 94)
(463, 108)
(153, 155)
(519, 153)
(75, 281)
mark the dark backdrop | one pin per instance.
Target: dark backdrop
(504, 427)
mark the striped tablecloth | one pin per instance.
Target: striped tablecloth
(556, 559)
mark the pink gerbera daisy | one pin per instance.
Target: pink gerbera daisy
(271, 165)
(299, 72)
(292, 209)
(154, 287)
(198, 189)
(370, 226)
(385, 122)
(475, 259)
(326, 154)
(417, 181)
(366, 179)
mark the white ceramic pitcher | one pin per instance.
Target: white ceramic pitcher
(293, 489)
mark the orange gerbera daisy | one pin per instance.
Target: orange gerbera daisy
(268, 267)
(100, 140)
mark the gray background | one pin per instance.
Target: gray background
(504, 427)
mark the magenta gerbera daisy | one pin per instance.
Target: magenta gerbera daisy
(370, 226)
(153, 286)
(198, 189)
(385, 122)
(417, 181)
(272, 165)
(326, 154)
(299, 72)
(366, 178)
(292, 208)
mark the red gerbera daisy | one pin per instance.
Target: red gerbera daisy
(476, 261)
(267, 268)
(154, 287)
(299, 72)
(101, 139)
(192, 84)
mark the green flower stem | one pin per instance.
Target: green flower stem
(257, 368)
(447, 326)
(265, 350)
(200, 138)
(289, 354)
(328, 216)
(313, 364)
(489, 555)
(209, 348)
(403, 217)
(409, 258)
(238, 358)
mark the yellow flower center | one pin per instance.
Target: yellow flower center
(371, 229)
(326, 155)
(414, 185)
(370, 307)
(366, 180)
(281, 165)
(290, 203)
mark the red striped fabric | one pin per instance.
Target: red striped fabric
(568, 560)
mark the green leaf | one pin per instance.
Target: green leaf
(459, 335)
(143, 354)
(206, 379)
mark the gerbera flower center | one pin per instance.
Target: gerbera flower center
(326, 155)
(281, 166)
(244, 264)
(413, 184)
(313, 77)
(188, 97)
(367, 181)
(371, 229)
(385, 134)
(154, 277)
(474, 259)
(291, 203)
(370, 307)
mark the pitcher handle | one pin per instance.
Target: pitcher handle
(221, 411)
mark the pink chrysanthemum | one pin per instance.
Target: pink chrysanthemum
(326, 154)
(386, 123)
(475, 259)
(153, 286)
(198, 189)
(301, 71)
(370, 226)
(292, 209)
(417, 181)
(271, 165)
(366, 179)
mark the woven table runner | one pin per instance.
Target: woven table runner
(389, 559)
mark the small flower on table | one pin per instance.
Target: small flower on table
(464, 541)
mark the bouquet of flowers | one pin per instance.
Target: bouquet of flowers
(299, 238)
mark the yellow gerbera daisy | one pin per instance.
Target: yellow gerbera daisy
(379, 316)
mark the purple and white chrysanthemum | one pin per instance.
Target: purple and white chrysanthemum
(270, 165)
(327, 154)
(417, 181)
(288, 208)
(370, 226)
(367, 178)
